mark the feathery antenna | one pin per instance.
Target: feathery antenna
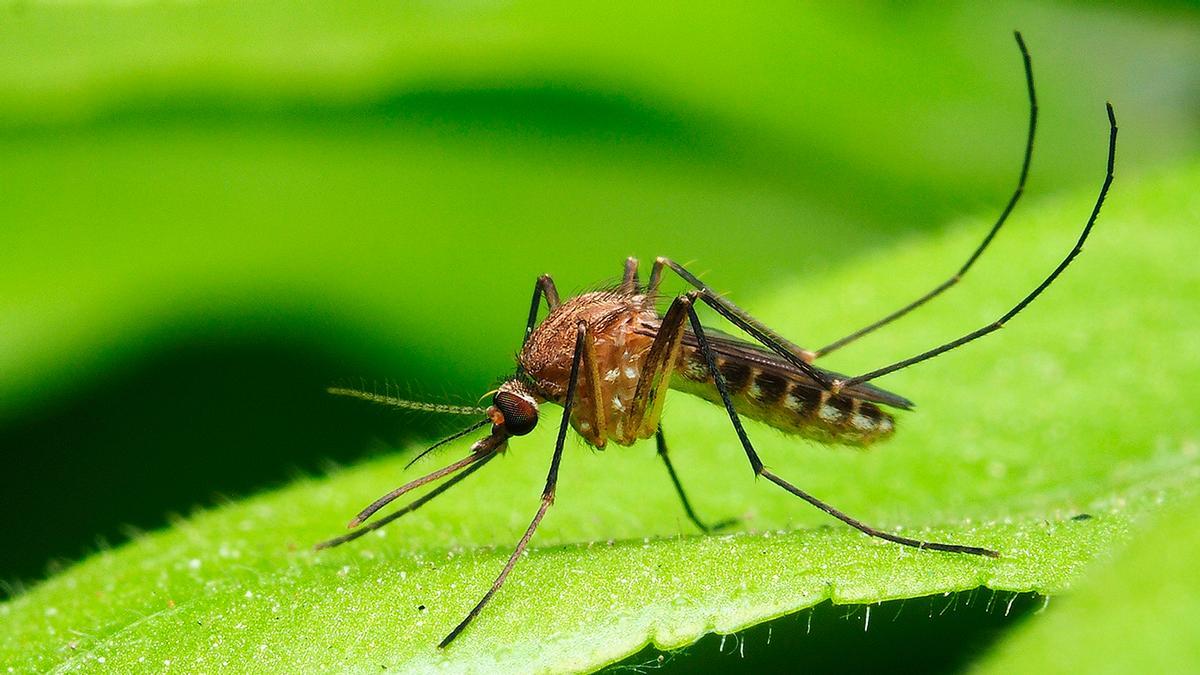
(396, 402)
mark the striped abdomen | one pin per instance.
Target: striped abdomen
(784, 400)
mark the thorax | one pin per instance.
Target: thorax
(621, 329)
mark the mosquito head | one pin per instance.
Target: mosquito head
(514, 409)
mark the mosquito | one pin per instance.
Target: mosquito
(608, 358)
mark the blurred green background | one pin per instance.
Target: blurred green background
(212, 210)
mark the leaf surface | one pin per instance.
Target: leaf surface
(1074, 409)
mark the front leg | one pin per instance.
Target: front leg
(544, 286)
(547, 492)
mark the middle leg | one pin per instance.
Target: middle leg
(655, 379)
(760, 470)
(661, 443)
(547, 492)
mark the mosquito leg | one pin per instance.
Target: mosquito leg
(862, 527)
(646, 409)
(589, 403)
(629, 280)
(661, 442)
(760, 470)
(1012, 202)
(655, 379)
(801, 358)
(547, 492)
(544, 287)
(999, 323)
(413, 506)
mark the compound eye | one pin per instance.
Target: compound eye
(520, 414)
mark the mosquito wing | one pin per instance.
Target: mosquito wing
(729, 346)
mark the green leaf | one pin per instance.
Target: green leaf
(1136, 614)
(1074, 409)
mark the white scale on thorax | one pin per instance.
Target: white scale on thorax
(622, 376)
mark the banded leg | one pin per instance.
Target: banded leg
(661, 442)
(760, 470)
(547, 492)
(1012, 202)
